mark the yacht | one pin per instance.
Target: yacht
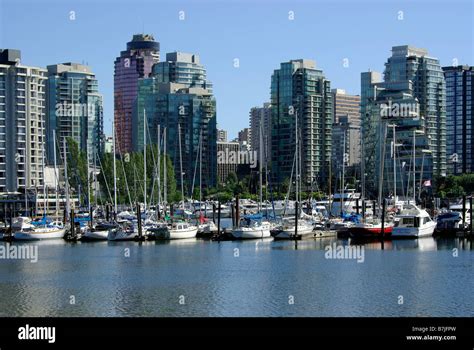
(287, 230)
(413, 222)
(177, 230)
(126, 232)
(371, 228)
(252, 230)
(30, 232)
(345, 202)
(99, 232)
(452, 219)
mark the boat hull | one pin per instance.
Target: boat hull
(39, 235)
(101, 235)
(167, 234)
(251, 234)
(414, 232)
(370, 232)
(290, 233)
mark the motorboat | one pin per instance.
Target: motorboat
(413, 222)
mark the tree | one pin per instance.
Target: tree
(76, 166)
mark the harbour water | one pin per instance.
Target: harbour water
(424, 277)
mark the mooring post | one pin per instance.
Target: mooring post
(139, 219)
(237, 211)
(463, 212)
(218, 217)
(382, 232)
(213, 212)
(232, 214)
(357, 206)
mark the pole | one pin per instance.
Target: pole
(165, 181)
(218, 217)
(382, 233)
(181, 164)
(66, 179)
(296, 220)
(394, 167)
(159, 169)
(414, 168)
(144, 159)
(237, 211)
(139, 219)
(56, 175)
(115, 170)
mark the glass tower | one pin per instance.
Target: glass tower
(459, 119)
(299, 89)
(178, 97)
(74, 108)
(411, 99)
(134, 63)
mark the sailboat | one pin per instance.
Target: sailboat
(126, 231)
(290, 229)
(29, 231)
(253, 229)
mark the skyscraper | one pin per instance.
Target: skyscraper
(411, 100)
(345, 105)
(74, 108)
(345, 130)
(178, 97)
(261, 121)
(299, 89)
(459, 119)
(134, 63)
(22, 123)
(221, 135)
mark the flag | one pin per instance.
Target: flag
(427, 183)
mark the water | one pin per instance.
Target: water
(251, 278)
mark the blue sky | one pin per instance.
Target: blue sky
(258, 33)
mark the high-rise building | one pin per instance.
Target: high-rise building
(345, 130)
(299, 89)
(410, 104)
(260, 129)
(221, 135)
(178, 97)
(224, 165)
(74, 108)
(244, 135)
(134, 63)
(459, 119)
(345, 143)
(22, 123)
(345, 105)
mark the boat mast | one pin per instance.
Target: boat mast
(88, 184)
(343, 171)
(158, 167)
(200, 171)
(414, 168)
(66, 182)
(144, 160)
(181, 163)
(260, 165)
(115, 170)
(394, 166)
(296, 156)
(56, 177)
(165, 182)
(44, 183)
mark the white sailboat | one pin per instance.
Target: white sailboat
(255, 229)
(177, 230)
(29, 232)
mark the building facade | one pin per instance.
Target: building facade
(260, 130)
(459, 119)
(408, 105)
(74, 108)
(134, 63)
(345, 105)
(300, 90)
(225, 165)
(178, 97)
(221, 135)
(22, 123)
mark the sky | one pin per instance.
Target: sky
(345, 38)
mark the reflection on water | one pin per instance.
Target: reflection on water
(241, 278)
